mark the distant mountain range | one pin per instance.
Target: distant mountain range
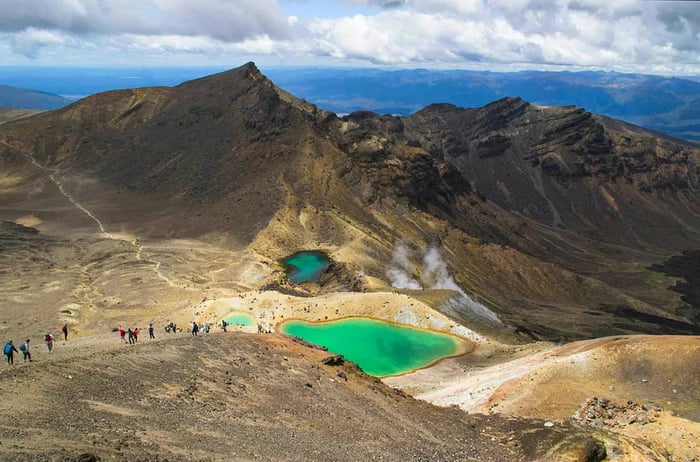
(666, 104)
(20, 98)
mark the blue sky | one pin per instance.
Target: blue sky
(325, 9)
(661, 37)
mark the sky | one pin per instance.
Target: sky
(657, 37)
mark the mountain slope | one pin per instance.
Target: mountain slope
(226, 396)
(537, 210)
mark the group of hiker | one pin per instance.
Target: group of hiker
(131, 336)
(10, 348)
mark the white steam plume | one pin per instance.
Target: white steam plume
(400, 270)
(435, 272)
(435, 275)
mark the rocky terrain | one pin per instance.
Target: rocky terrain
(237, 396)
(175, 204)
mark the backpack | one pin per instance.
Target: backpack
(23, 347)
(8, 348)
(47, 338)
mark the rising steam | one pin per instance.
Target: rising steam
(399, 273)
(434, 275)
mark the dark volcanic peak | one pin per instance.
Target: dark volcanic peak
(223, 140)
(541, 161)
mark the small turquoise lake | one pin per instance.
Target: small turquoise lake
(240, 319)
(306, 266)
(379, 348)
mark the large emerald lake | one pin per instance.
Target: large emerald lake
(306, 266)
(379, 348)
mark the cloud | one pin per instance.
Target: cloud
(227, 20)
(615, 35)
(681, 21)
(623, 35)
(30, 42)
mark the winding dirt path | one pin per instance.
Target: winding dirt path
(138, 248)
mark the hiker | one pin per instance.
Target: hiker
(260, 328)
(195, 328)
(224, 324)
(136, 334)
(24, 348)
(130, 335)
(64, 329)
(150, 330)
(48, 340)
(10, 351)
(122, 333)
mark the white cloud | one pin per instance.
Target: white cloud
(626, 35)
(228, 20)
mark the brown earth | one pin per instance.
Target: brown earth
(656, 373)
(236, 396)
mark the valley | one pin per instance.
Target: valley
(543, 237)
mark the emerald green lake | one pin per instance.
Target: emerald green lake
(379, 348)
(240, 319)
(306, 266)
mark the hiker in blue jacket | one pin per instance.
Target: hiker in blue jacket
(10, 351)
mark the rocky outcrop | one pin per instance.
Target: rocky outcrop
(599, 412)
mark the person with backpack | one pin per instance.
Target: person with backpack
(195, 328)
(48, 340)
(64, 329)
(150, 330)
(10, 351)
(24, 348)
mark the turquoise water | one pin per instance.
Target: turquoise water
(379, 348)
(306, 266)
(240, 318)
